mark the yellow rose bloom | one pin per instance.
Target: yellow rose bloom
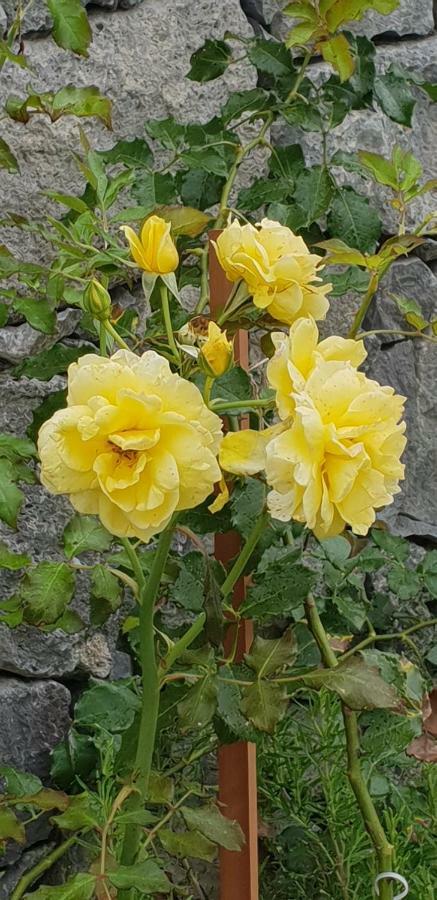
(135, 443)
(277, 267)
(153, 250)
(340, 459)
(298, 353)
(216, 353)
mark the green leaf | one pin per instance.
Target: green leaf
(428, 568)
(137, 817)
(135, 153)
(11, 827)
(262, 191)
(188, 590)
(314, 189)
(80, 887)
(353, 220)
(4, 314)
(359, 685)
(211, 823)
(268, 655)
(395, 98)
(229, 715)
(111, 706)
(145, 876)
(201, 521)
(199, 704)
(70, 622)
(8, 55)
(184, 219)
(185, 844)
(11, 498)
(68, 101)
(394, 546)
(411, 311)
(11, 560)
(161, 788)
(292, 215)
(264, 704)
(271, 57)
(337, 52)
(287, 162)
(19, 784)
(49, 362)
(210, 60)
(235, 385)
(431, 656)
(83, 810)
(243, 102)
(106, 594)
(74, 757)
(352, 279)
(169, 133)
(84, 533)
(7, 158)
(199, 188)
(278, 591)
(247, 504)
(15, 448)
(154, 189)
(47, 799)
(46, 591)
(300, 34)
(39, 313)
(71, 29)
(211, 159)
(381, 169)
(56, 400)
(405, 583)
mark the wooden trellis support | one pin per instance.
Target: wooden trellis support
(237, 762)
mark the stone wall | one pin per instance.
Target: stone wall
(139, 56)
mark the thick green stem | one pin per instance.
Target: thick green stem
(383, 848)
(167, 321)
(102, 339)
(44, 864)
(367, 299)
(241, 154)
(207, 389)
(150, 686)
(219, 406)
(115, 335)
(204, 282)
(243, 558)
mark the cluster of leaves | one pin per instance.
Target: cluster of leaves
(313, 844)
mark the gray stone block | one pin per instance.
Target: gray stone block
(31, 653)
(17, 342)
(34, 717)
(139, 58)
(410, 366)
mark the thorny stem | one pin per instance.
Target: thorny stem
(150, 685)
(204, 281)
(409, 334)
(243, 558)
(300, 76)
(219, 406)
(44, 864)
(367, 299)
(383, 848)
(241, 154)
(102, 339)
(394, 636)
(115, 335)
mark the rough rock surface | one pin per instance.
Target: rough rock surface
(31, 653)
(10, 878)
(34, 717)
(138, 58)
(410, 366)
(17, 342)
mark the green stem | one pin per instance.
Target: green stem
(299, 77)
(115, 335)
(135, 562)
(394, 636)
(183, 643)
(150, 685)
(167, 322)
(241, 154)
(219, 406)
(207, 389)
(243, 558)
(409, 334)
(102, 339)
(204, 282)
(367, 299)
(44, 864)
(383, 849)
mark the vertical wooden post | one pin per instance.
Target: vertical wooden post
(237, 762)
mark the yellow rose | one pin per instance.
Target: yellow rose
(135, 443)
(216, 353)
(340, 459)
(153, 250)
(279, 271)
(298, 353)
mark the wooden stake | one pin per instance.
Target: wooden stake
(237, 762)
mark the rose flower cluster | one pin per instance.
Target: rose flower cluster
(138, 442)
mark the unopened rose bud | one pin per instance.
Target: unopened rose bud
(97, 301)
(216, 353)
